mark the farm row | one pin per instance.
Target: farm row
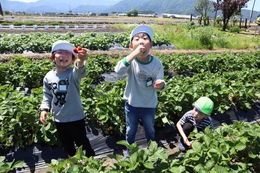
(231, 80)
(40, 42)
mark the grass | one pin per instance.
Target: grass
(187, 36)
(180, 32)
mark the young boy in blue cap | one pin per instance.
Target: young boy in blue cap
(199, 117)
(145, 77)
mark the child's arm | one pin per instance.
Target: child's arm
(82, 56)
(46, 101)
(159, 83)
(123, 65)
(184, 137)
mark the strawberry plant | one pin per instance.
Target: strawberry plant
(229, 148)
(231, 80)
(20, 71)
(40, 42)
(19, 119)
(78, 163)
(154, 159)
(97, 65)
(10, 166)
(109, 106)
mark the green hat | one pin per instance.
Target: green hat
(204, 105)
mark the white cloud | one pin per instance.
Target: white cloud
(27, 1)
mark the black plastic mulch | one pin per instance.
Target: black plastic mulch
(36, 156)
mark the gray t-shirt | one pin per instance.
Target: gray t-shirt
(139, 90)
(61, 94)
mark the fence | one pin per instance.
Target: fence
(56, 27)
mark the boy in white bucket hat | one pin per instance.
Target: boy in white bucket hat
(145, 77)
(61, 95)
(199, 117)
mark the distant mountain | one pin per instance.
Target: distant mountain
(159, 6)
(56, 6)
(90, 8)
(98, 6)
(101, 6)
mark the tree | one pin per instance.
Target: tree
(229, 8)
(1, 10)
(216, 9)
(203, 7)
(132, 13)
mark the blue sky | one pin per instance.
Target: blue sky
(249, 4)
(256, 7)
(25, 0)
(112, 1)
(72, 0)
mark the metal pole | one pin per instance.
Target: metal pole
(252, 11)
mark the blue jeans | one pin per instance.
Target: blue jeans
(133, 114)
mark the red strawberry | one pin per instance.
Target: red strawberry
(75, 50)
(79, 48)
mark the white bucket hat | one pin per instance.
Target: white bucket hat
(63, 45)
(142, 28)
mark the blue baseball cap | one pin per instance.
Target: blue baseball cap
(142, 29)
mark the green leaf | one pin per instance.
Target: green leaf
(149, 165)
(240, 146)
(73, 169)
(18, 164)
(165, 120)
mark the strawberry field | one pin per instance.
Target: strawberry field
(230, 80)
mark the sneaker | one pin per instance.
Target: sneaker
(182, 147)
(126, 153)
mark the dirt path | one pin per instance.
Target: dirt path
(122, 53)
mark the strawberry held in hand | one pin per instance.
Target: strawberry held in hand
(77, 49)
(82, 55)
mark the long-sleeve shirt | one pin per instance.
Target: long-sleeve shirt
(188, 117)
(61, 94)
(139, 91)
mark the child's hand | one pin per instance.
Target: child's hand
(82, 53)
(139, 50)
(82, 56)
(158, 84)
(43, 117)
(188, 143)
